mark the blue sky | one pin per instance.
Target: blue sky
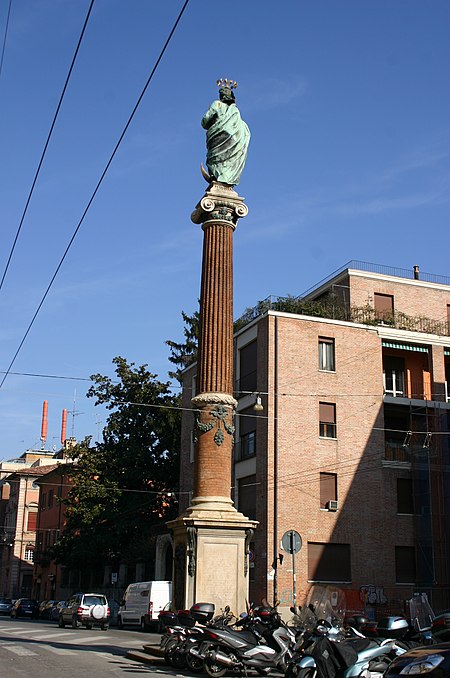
(349, 108)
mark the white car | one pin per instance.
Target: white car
(86, 609)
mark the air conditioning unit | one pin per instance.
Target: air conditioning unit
(332, 505)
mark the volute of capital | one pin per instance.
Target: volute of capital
(220, 204)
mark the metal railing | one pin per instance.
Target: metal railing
(394, 271)
(396, 451)
(337, 310)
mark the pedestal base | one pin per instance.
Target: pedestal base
(211, 550)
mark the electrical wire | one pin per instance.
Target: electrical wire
(46, 143)
(97, 187)
(5, 36)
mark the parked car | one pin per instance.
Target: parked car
(54, 616)
(142, 602)
(45, 609)
(5, 605)
(25, 607)
(87, 609)
(431, 660)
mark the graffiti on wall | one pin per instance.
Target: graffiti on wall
(373, 595)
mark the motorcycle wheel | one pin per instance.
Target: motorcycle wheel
(170, 650)
(179, 660)
(195, 664)
(214, 669)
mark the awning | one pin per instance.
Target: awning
(404, 347)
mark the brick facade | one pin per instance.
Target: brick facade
(367, 455)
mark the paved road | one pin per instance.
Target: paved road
(42, 650)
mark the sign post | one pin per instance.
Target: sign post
(291, 542)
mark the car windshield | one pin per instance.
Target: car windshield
(94, 600)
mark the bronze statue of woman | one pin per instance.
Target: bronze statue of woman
(227, 137)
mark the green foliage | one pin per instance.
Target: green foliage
(184, 354)
(125, 485)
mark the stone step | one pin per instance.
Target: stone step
(145, 657)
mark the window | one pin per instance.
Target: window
(247, 368)
(405, 564)
(326, 354)
(384, 307)
(50, 498)
(329, 562)
(43, 501)
(405, 501)
(247, 496)
(247, 434)
(32, 521)
(328, 489)
(29, 555)
(327, 420)
(394, 376)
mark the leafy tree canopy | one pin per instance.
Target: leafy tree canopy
(124, 485)
(185, 353)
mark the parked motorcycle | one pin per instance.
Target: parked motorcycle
(185, 631)
(259, 641)
(325, 649)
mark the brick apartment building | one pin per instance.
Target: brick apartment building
(20, 497)
(351, 448)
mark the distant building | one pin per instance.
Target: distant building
(51, 580)
(20, 497)
(351, 449)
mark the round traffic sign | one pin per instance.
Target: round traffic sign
(291, 541)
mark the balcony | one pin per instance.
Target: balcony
(396, 451)
(395, 387)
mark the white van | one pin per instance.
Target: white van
(142, 602)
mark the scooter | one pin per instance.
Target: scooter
(325, 651)
(182, 633)
(263, 643)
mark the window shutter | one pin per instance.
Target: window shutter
(32, 521)
(327, 413)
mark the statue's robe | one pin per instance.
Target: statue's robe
(227, 139)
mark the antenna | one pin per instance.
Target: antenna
(98, 421)
(74, 412)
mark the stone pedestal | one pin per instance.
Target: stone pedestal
(211, 539)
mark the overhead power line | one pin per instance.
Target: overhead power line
(91, 200)
(46, 144)
(5, 36)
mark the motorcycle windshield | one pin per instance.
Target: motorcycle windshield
(420, 612)
(324, 602)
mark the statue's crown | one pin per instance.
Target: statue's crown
(225, 82)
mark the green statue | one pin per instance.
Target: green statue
(227, 137)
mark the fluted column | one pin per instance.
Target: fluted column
(218, 212)
(211, 538)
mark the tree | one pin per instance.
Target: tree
(184, 354)
(125, 485)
